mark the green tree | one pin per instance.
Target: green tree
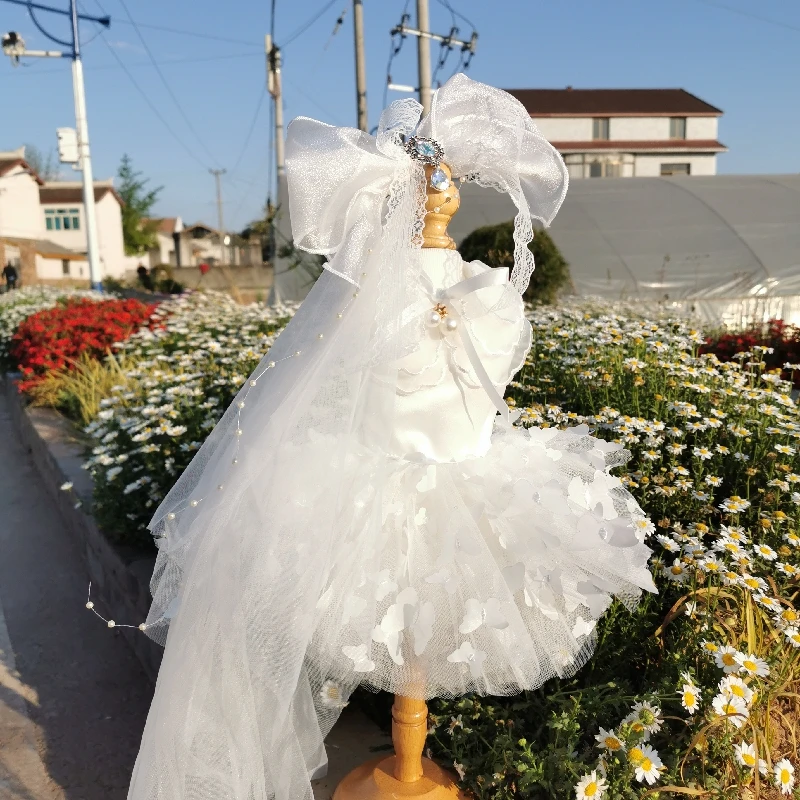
(494, 245)
(138, 230)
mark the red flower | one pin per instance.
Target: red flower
(53, 338)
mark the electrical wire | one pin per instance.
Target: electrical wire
(180, 32)
(454, 13)
(152, 107)
(306, 25)
(261, 97)
(172, 94)
(750, 15)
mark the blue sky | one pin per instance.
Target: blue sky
(738, 55)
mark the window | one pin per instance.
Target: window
(677, 128)
(600, 128)
(62, 219)
(676, 169)
(605, 169)
(65, 266)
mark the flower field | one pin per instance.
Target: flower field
(696, 692)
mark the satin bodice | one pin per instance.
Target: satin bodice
(442, 410)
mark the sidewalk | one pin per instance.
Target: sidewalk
(73, 697)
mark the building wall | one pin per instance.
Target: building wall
(51, 270)
(579, 129)
(109, 233)
(19, 206)
(648, 166)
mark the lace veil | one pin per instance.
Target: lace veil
(239, 711)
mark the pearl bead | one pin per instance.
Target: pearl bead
(252, 383)
(238, 431)
(111, 623)
(271, 364)
(436, 210)
(143, 627)
(320, 336)
(298, 352)
(90, 604)
(450, 324)
(220, 487)
(235, 461)
(171, 515)
(433, 319)
(193, 503)
(355, 294)
(339, 316)
(240, 404)
(363, 274)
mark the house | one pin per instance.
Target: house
(43, 225)
(627, 133)
(197, 244)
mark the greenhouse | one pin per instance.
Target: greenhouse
(726, 247)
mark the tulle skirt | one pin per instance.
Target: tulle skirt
(487, 574)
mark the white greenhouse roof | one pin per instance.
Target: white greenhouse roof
(700, 238)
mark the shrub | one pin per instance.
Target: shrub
(54, 338)
(494, 245)
(184, 374)
(17, 306)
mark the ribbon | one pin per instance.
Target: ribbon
(451, 297)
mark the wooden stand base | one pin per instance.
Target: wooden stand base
(375, 781)
(407, 773)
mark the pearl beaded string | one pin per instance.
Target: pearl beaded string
(109, 622)
(194, 502)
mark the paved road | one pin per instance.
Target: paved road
(73, 699)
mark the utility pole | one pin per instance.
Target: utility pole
(424, 37)
(82, 126)
(14, 46)
(361, 64)
(218, 173)
(424, 56)
(273, 54)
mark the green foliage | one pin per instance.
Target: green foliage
(138, 231)
(494, 245)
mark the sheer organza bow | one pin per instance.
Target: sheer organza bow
(341, 176)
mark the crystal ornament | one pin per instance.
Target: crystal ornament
(439, 180)
(426, 151)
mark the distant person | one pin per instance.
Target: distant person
(144, 277)
(11, 276)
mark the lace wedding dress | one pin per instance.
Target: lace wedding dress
(362, 514)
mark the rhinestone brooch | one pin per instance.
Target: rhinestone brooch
(428, 151)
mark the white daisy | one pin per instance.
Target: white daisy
(731, 707)
(590, 787)
(783, 772)
(747, 757)
(690, 697)
(792, 636)
(765, 552)
(734, 686)
(608, 740)
(725, 659)
(752, 665)
(647, 763)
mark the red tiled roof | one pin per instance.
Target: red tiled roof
(675, 145)
(7, 164)
(166, 225)
(612, 102)
(53, 193)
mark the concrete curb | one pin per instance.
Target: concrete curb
(120, 576)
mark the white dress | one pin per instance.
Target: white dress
(498, 549)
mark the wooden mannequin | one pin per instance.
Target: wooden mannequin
(407, 773)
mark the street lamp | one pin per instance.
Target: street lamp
(14, 47)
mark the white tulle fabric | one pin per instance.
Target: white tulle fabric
(361, 514)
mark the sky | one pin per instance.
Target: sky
(203, 104)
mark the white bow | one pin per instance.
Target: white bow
(339, 178)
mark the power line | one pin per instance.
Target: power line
(102, 67)
(454, 13)
(751, 16)
(306, 25)
(152, 107)
(172, 94)
(261, 97)
(180, 32)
